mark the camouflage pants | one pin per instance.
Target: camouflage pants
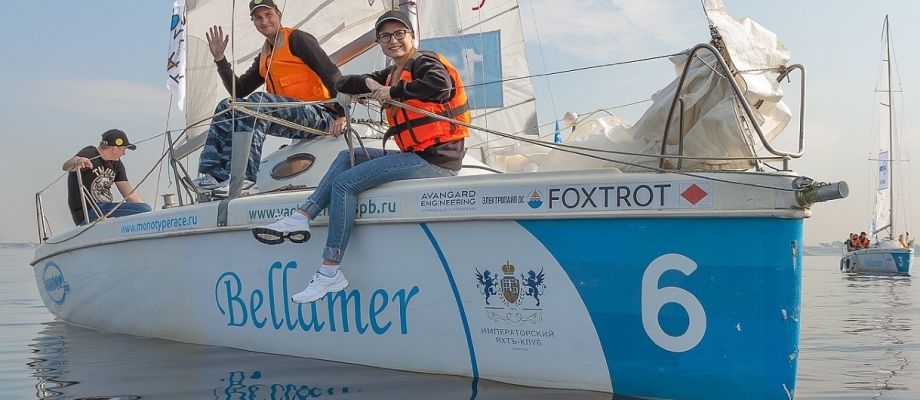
(215, 156)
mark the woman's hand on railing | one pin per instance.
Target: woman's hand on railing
(337, 127)
(379, 92)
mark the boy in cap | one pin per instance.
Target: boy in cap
(293, 67)
(429, 148)
(100, 167)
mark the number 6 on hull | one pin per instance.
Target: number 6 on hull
(653, 299)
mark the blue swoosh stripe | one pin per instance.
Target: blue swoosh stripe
(466, 325)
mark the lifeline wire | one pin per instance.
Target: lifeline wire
(556, 146)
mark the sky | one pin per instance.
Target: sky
(72, 71)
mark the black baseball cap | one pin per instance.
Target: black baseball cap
(393, 15)
(116, 137)
(254, 4)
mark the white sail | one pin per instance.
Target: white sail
(334, 23)
(486, 45)
(881, 217)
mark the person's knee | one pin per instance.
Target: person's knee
(258, 97)
(338, 185)
(343, 157)
(341, 185)
(223, 104)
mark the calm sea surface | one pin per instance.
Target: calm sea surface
(860, 339)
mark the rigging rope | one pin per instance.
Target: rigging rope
(549, 87)
(566, 71)
(181, 135)
(276, 120)
(581, 118)
(566, 147)
(242, 107)
(86, 227)
(156, 195)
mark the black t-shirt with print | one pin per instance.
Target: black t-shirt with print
(98, 182)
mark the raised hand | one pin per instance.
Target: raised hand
(217, 41)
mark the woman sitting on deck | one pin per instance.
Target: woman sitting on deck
(429, 147)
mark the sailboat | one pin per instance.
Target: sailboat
(513, 271)
(887, 254)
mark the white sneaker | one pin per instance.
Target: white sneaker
(207, 182)
(294, 228)
(248, 187)
(319, 286)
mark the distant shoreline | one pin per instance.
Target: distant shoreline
(17, 244)
(832, 249)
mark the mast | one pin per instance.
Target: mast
(891, 181)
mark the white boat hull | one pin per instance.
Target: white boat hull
(634, 291)
(878, 260)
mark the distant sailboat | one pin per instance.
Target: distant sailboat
(887, 254)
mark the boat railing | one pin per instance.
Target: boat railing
(44, 228)
(678, 104)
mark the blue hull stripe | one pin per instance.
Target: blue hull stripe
(747, 279)
(466, 325)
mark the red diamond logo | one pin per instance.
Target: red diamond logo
(694, 194)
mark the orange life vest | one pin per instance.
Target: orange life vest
(289, 76)
(864, 242)
(415, 131)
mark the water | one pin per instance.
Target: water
(860, 339)
(860, 336)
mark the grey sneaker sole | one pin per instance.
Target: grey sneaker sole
(271, 236)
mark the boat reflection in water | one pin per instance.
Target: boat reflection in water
(76, 363)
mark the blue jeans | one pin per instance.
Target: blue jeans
(341, 185)
(215, 156)
(124, 210)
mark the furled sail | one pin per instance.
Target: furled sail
(486, 45)
(714, 123)
(334, 23)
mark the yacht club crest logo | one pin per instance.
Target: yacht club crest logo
(519, 295)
